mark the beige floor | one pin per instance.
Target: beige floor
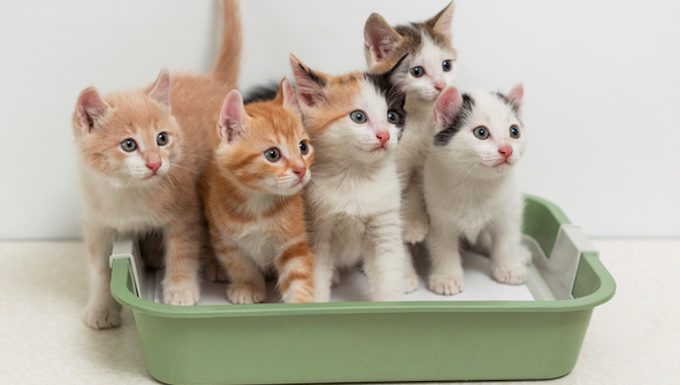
(634, 339)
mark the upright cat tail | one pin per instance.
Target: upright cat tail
(228, 62)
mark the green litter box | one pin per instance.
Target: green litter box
(418, 339)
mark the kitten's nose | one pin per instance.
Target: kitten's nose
(439, 85)
(383, 137)
(153, 166)
(300, 171)
(506, 151)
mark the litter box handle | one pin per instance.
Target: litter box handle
(571, 243)
(128, 248)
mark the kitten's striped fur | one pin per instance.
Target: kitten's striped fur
(253, 205)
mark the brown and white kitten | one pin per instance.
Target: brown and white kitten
(252, 198)
(354, 120)
(141, 155)
(430, 69)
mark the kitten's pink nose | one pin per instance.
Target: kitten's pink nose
(383, 137)
(506, 151)
(153, 166)
(300, 171)
(439, 85)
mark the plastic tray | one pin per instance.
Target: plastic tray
(419, 339)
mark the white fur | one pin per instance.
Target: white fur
(112, 208)
(354, 202)
(418, 131)
(468, 195)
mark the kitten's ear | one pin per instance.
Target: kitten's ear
(442, 22)
(160, 91)
(286, 96)
(380, 39)
(447, 106)
(310, 84)
(232, 117)
(516, 95)
(90, 107)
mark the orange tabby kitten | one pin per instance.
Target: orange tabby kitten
(252, 197)
(141, 155)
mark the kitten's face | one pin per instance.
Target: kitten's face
(431, 69)
(431, 64)
(356, 116)
(481, 132)
(264, 145)
(131, 138)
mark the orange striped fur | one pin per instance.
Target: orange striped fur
(253, 205)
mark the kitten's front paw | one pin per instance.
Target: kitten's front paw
(510, 274)
(98, 318)
(245, 293)
(446, 284)
(415, 231)
(184, 293)
(411, 282)
(214, 272)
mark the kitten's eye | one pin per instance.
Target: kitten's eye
(304, 147)
(358, 116)
(128, 145)
(481, 132)
(273, 154)
(392, 117)
(447, 65)
(162, 139)
(514, 131)
(417, 71)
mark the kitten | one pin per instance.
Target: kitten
(470, 187)
(353, 202)
(430, 69)
(141, 155)
(253, 200)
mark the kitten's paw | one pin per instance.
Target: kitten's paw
(214, 272)
(102, 317)
(510, 274)
(415, 231)
(184, 293)
(411, 282)
(245, 293)
(446, 284)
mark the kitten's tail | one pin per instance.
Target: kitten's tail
(228, 62)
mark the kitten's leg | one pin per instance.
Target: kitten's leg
(508, 255)
(247, 284)
(102, 310)
(411, 279)
(384, 257)
(295, 269)
(324, 265)
(415, 220)
(181, 284)
(446, 275)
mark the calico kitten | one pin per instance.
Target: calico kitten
(470, 187)
(429, 70)
(253, 201)
(141, 155)
(353, 202)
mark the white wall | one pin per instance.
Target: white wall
(602, 81)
